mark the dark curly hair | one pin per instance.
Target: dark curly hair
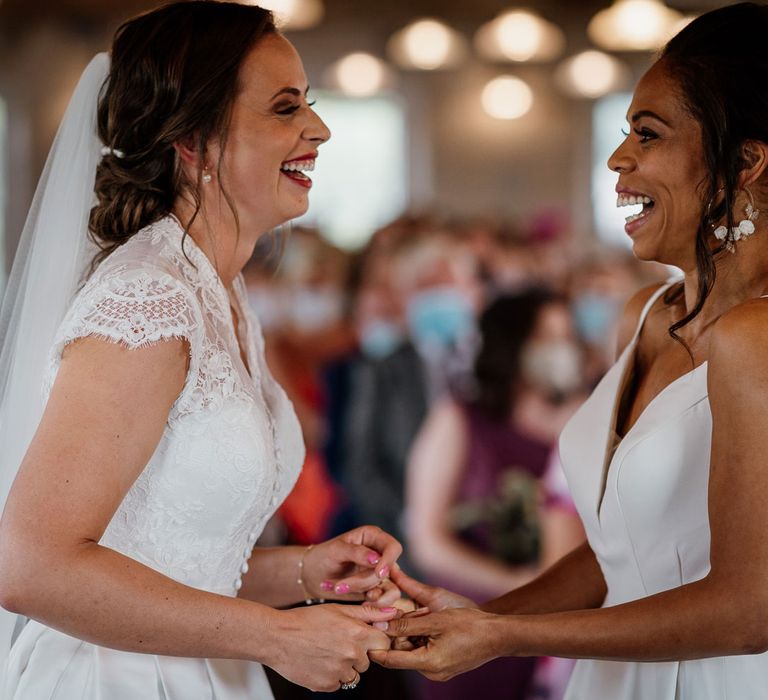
(720, 62)
(173, 78)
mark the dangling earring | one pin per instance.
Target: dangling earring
(207, 177)
(745, 228)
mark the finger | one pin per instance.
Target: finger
(368, 613)
(352, 681)
(411, 626)
(359, 582)
(393, 658)
(356, 553)
(389, 548)
(385, 594)
(390, 594)
(420, 592)
(340, 587)
(403, 644)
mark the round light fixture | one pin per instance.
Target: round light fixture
(633, 25)
(426, 44)
(293, 14)
(507, 97)
(519, 35)
(359, 74)
(592, 74)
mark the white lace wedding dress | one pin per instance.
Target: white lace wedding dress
(230, 453)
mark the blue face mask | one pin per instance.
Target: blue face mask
(439, 316)
(380, 338)
(595, 316)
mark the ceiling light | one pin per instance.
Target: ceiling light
(294, 14)
(360, 74)
(427, 44)
(519, 35)
(592, 74)
(507, 97)
(634, 25)
(681, 24)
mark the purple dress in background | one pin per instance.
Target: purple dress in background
(495, 511)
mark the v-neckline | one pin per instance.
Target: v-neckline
(227, 301)
(241, 331)
(614, 442)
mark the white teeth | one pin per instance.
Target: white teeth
(635, 217)
(299, 165)
(626, 200)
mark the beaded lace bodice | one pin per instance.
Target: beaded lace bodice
(232, 446)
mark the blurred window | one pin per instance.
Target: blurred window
(609, 117)
(361, 180)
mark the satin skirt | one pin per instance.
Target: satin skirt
(45, 664)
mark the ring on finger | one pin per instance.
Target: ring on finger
(352, 684)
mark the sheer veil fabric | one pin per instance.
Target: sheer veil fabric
(52, 258)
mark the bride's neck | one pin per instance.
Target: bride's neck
(215, 232)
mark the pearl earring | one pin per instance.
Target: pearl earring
(207, 177)
(745, 228)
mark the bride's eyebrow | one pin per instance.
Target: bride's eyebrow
(648, 113)
(290, 91)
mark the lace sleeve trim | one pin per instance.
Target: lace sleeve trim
(132, 308)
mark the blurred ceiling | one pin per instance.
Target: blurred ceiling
(18, 15)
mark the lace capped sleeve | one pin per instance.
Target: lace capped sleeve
(134, 308)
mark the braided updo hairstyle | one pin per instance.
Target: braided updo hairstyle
(173, 78)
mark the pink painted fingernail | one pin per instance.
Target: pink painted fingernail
(383, 626)
(342, 588)
(327, 585)
(373, 558)
(388, 610)
(384, 571)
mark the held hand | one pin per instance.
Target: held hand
(353, 563)
(387, 594)
(436, 599)
(323, 646)
(454, 641)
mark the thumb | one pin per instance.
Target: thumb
(423, 626)
(420, 592)
(369, 613)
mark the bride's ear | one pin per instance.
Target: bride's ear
(755, 158)
(188, 152)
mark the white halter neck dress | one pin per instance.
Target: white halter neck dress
(230, 453)
(644, 509)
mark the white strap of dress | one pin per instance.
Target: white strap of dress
(649, 304)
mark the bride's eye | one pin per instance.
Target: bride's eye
(646, 134)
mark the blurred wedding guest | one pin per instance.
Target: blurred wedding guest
(552, 248)
(479, 520)
(601, 285)
(426, 290)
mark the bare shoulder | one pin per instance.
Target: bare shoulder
(447, 417)
(105, 380)
(630, 317)
(444, 430)
(739, 340)
(155, 364)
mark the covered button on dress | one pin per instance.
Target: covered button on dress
(229, 454)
